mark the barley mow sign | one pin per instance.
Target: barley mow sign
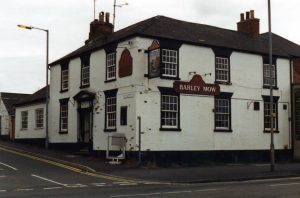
(196, 86)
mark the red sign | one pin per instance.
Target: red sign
(196, 86)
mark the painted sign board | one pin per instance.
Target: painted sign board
(196, 86)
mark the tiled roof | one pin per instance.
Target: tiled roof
(37, 97)
(9, 99)
(193, 33)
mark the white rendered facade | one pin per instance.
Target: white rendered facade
(142, 98)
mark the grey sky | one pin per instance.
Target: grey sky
(22, 54)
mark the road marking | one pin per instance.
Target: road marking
(8, 166)
(99, 184)
(75, 186)
(165, 193)
(1, 176)
(49, 180)
(24, 189)
(3, 190)
(286, 184)
(52, 188)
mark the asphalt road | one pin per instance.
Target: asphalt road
(22, 176)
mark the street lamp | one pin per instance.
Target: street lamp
(272, 147)
(114, 15)
(47, 67)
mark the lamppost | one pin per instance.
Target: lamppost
(114, 15)
(272, 147)
(47, 86)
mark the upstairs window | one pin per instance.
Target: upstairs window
(169, 63)
(269, 74)
(222, 65)
(64, 79)
(222, 69)
(39, 118)
(85, 70)
(85, 75)
(111, 66)
(163, 59)
(24, 120)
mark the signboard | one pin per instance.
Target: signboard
(196, 86)
(154, 59)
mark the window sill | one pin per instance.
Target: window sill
(111, 80)
(170, 78)
(170, 129)
(63, 132)
(268, 87)
(39, 128)
(65, 90)
(269, 131)
(223, 130)
(223, 83)
(110, 130)
(84, 86)
(23, 129)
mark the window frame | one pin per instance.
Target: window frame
(108, 66)
(64, 81)
(82, 78)
(268, 77)
(110, 94)
(167, 60)
(227, 97)
(217, 80)
(24, 120)
(39, 118)
(64, 105)
(164, 91)
(266, 100)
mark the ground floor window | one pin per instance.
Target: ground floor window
(110, 110)
(170, 109)
(24, 120)
(268, 115)
(223, 112)
(39, 118)
(64, 115)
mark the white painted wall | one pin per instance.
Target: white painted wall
(4, 130)
(31, 132)
(142, 97)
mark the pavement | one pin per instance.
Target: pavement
(179, 174)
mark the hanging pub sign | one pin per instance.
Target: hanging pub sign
(196, 86)
(154, 59)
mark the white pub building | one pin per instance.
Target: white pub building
(202, 92)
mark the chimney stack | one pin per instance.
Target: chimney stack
(250, 25)
(100, 28)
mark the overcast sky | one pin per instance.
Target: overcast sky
(22, 53)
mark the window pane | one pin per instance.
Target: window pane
(169, 63)
(222, 113)
(169, 111)
(222, 69)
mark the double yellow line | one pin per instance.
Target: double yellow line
(87, 171)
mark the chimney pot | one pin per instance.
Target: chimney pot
(252, 14)
(107, 17)
(101, 17)
(242, 17)
(247, 15)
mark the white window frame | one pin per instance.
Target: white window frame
(64, 117)
(39, 118)
(267, 116)
(24, 120)
(111, 66)
(85, 75)
(169, 111)
(222, 113)
(266, 75)
(65, 79)
(111, 112)
(222, 69)
(169, 63)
